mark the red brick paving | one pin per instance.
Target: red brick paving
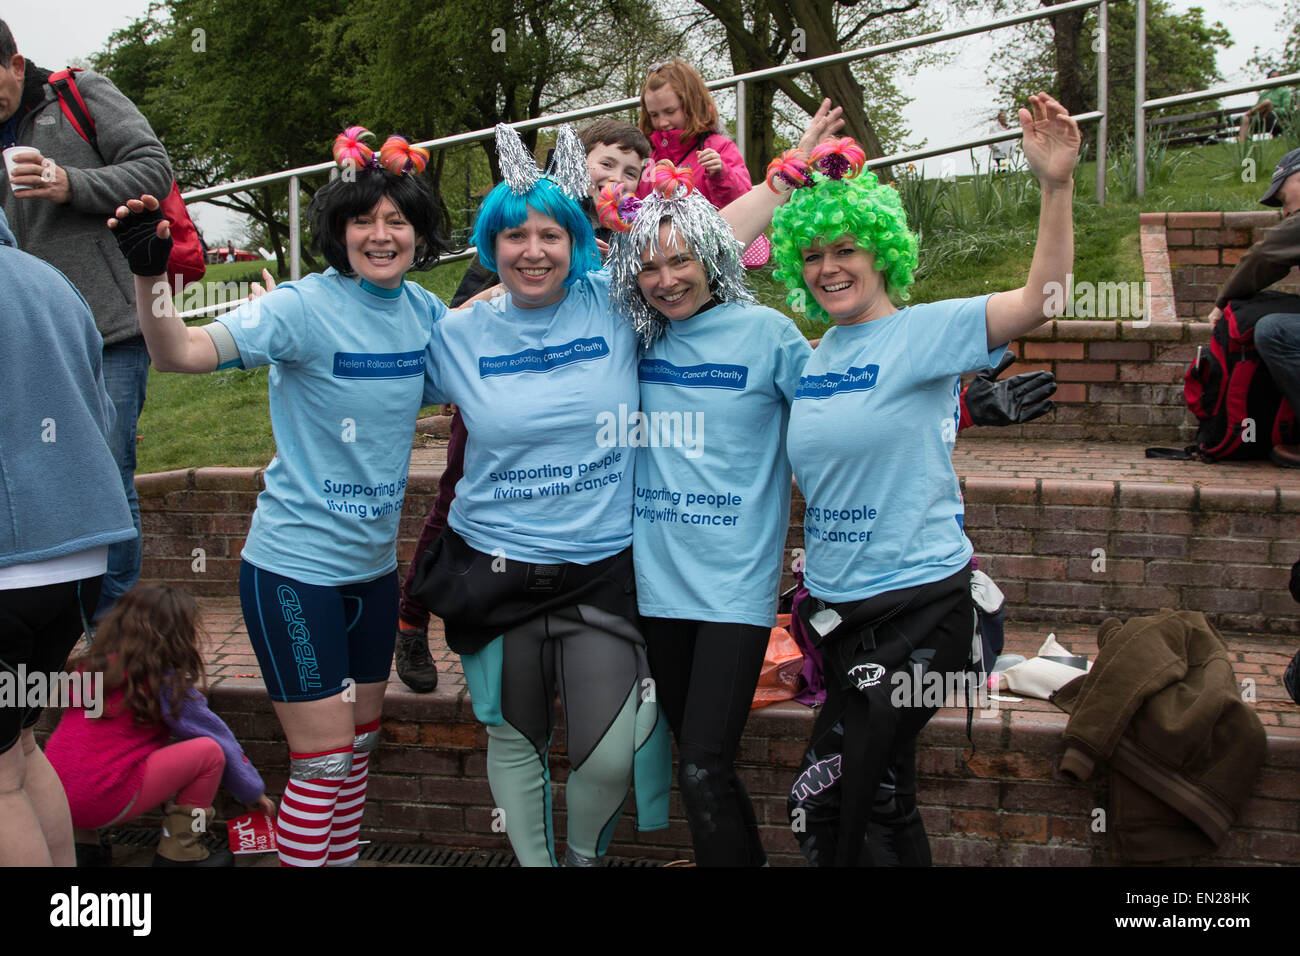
(1078, 461)
(229, 656)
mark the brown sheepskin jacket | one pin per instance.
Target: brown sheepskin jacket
(1162, 706)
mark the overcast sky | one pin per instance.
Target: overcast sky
(949, 103)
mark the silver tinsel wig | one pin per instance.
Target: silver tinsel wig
(568, 168)
(636, 228)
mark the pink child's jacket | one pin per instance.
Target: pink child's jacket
(729, 184)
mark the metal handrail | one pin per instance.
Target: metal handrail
(967, 144)
(1217, 91)
(738, 81)
(1143, 104)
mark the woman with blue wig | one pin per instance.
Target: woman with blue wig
(533, 577)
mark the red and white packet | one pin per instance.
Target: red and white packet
(252, 833)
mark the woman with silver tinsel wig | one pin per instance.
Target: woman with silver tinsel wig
(712, 480)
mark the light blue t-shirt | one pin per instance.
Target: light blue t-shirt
(712, 476)
(541, 392)
(871, 436)
(347, 377)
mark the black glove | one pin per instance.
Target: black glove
(1019, 399)
(137, 237)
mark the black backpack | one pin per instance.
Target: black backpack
(1241, 410)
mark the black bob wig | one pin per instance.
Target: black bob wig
(341, 199)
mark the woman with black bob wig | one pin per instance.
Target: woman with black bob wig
(357, 190)
(348, 350)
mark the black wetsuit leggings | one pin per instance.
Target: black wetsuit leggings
(854, 801)
(705, 674)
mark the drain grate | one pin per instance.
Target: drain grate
(394, 854)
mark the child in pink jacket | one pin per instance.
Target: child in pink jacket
(680, 119)
(113, 754)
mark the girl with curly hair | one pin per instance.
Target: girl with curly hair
(871, 433)
(113, 755)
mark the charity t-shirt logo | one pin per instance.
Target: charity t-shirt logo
(378, 364)
(546, 359)
(693, 376)
(832, 383)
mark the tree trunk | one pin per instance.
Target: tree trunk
(816, 19)
(1068, 30)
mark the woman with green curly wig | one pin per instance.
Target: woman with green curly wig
(868, 215)
(870, 439)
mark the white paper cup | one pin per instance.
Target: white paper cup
(11, 161)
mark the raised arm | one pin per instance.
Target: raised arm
(1051, 147)
(145, 239)
(751, 214)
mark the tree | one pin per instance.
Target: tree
(1288, 60)
(1181, 57)
(234, 90)
(242, 88)
(766, 33)
(1067, 32)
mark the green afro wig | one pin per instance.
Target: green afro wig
(861, 207)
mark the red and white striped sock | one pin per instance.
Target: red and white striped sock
(302, 826)
(352, 798)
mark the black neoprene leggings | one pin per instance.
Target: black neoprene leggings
(854, 801)
(705, 674)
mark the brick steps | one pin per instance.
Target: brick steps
(1001, 805)
(1216, 538)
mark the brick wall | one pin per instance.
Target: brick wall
(1225, 551)
(1222, 550)
(1203, 249)
(1117, 381)
(210, 509)
(1001, 805)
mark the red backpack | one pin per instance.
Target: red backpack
(185, 265)
(1229, 389)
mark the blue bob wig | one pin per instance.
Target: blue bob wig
(503, 210)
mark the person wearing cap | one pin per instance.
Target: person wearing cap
(1277, 336)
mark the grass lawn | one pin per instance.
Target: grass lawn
(980, 239)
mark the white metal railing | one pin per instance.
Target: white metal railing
(1143, 104)
(738, 81)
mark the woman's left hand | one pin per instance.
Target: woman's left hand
(1051, 140)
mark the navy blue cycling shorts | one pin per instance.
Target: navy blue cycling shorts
(311, 639)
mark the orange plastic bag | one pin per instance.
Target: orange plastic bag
(782, 671)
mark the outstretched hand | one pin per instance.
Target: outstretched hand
(1019, 399)
(826, 122)
(257, 289)
(1051, 140)
(143, 235)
